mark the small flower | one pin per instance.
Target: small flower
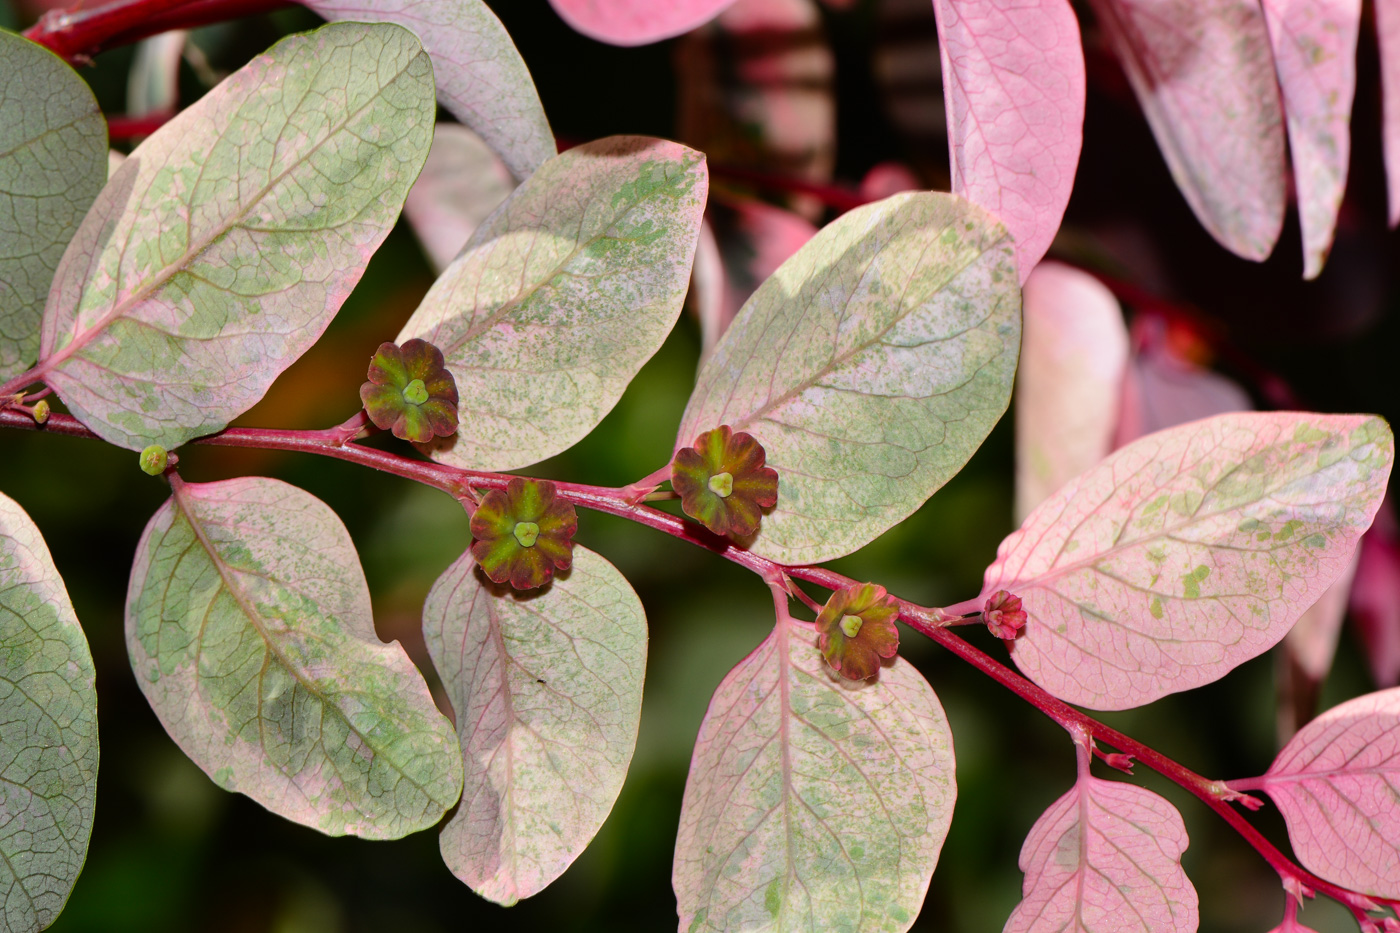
(523, 534)
(856, 629)
(410, 392)
(723, 483)
(1003, 614)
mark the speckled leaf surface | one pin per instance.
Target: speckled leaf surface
(250, 632)
(636, 22)
(48, 731)
(1074, 351)
(1189, 551)
(463, 181)
(1314, 45)
(1105, 858)
(1336, 783)
(561, 296)
(548, 693)
(53, 161)
(812, 803)
(481, 78)
(224, 245)
(1013, 87)
(870, 366)
(1203, 71)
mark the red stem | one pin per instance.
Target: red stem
(124, 127)
(77, 35)
(617, 501)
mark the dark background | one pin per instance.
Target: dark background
(171, 852)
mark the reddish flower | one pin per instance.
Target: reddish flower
(1004, 616)
(856, 629)
(524, 534)
(723, 483)
(410, 392)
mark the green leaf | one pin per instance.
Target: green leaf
(48, 731)
(224, 245)
(870, 366)
(813, 803)
(53, 161)
(548, 693)
(561, 296)
(249, 626)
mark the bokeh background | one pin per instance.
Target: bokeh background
(851, 89)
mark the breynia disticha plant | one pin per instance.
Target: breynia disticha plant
(850, 370)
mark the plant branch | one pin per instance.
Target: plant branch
(77, 34)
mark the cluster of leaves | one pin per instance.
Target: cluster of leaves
(856, 380)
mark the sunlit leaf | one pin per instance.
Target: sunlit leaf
(1314, 45)
(1204, 75)
(562, 295)
(1312, 641)
(1335, 783)
(1074, 350)
(636, 22)
(548, 693)
(249, 626)
(1388, 32)
(1013, 82)
(48, 730)
(53, 161)
(1105, 858)
(1189, 551)
(463, 181)
(812, 803)
(224, 245)
(870, 366)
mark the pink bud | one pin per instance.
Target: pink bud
(1003, 614)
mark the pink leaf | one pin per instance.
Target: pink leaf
(1375, 600)
(1335, 783)
(1314, 45)
(636, 22)
(1162, 389)
(1074, 347)
(1204, 75)
(1013, 85)
(1189, 551)
(462, 182)
(1388, 32)
(1105, 857)
(1312, 642)
(888, 178)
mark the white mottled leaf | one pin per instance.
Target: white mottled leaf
(548, 692)
(48, 731)
(1189, 551)
(224, 245)
(250, 631)
(53, 161)
(870, 366)
(562, 295)
(813, 803)
(481, 78)
(463, 181)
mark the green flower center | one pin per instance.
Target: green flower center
(851, 625)
(722, 485)
(526, 533)
(415, 393)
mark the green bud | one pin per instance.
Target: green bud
(41, 411)
(415, 393)
(722, 485)
(527, 533)
(850, 625)
(153, 460)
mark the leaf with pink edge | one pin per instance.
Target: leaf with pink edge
(548, 694)
(1204, 75)
(1314, 45)
(1074, 350)
(1013, 86)
(224, 245)
(1105, 858)
(813, 804)
(1335, 783)
(1189, 551)
(250, 632)
(1388, 32)
(462, 183)
(1163, 387)
(1312, 642)
(636, 22)
(481, 78)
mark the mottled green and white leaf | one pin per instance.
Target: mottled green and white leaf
(53, 161)
(561, 296)
(250, 631)
(48, 731)
(224, 245)
(870, 366)
(548, 693)
(813, 803)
